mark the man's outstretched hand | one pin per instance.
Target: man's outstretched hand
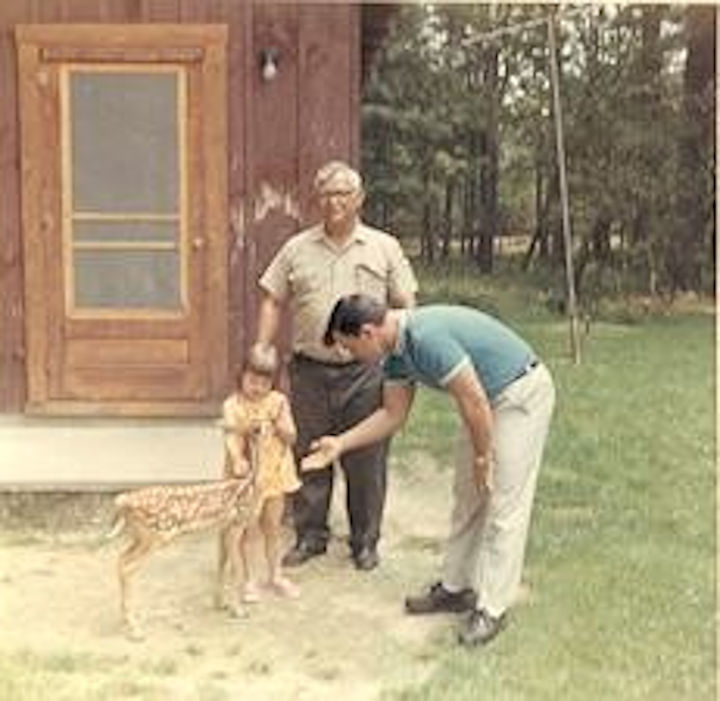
(323, 452)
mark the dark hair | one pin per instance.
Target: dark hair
(350, 313)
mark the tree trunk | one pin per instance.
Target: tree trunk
(491, 223)
(428, 234)
(466, 210)
(447, 219)
(595, 248)
(475, 210)
(696, 155)
(540, 212)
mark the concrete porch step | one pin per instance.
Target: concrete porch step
(98, 454)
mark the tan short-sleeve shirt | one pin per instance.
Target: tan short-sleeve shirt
(311, 273)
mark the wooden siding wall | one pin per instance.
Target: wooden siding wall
(280, 132)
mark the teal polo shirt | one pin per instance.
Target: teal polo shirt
(435, 342)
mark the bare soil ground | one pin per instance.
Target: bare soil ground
(346, 637)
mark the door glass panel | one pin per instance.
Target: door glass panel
(127, 279)
(123, 188)
(124, 133)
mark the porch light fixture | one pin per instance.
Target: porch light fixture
(269, 63)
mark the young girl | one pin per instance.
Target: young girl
(256, 409)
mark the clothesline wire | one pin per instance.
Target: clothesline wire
(530, 24)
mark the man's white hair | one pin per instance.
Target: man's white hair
(333, 168)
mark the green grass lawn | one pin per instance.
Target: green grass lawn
(621, 559)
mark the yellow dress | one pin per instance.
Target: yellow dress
(276, 474)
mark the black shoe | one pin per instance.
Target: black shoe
(440, 600)
(480, 628)
(366, 559)
(302, 552)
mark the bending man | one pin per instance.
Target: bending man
(505, 397)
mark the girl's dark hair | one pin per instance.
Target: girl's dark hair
(350, 313)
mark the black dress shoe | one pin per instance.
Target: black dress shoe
(480, 628)
(439, 600)
(302, 552)
(366, 559)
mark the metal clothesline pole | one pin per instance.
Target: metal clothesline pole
(560, 150)
(567, 234)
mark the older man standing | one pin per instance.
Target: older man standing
(329, 390)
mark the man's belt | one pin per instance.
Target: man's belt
(527, 368)
(304, 358)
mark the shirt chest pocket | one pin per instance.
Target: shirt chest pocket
(307, 279)
(372, 280)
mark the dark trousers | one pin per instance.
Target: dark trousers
(326, 400)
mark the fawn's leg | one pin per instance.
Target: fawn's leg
(220, 579)
(223, 553)
(128, 564)
(226, 540)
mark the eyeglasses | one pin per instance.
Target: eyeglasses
(340, 194)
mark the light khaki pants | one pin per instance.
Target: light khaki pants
(486, 546)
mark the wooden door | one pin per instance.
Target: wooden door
(124, 217)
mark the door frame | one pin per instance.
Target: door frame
(41, 223)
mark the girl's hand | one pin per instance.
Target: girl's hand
(257, 428)
(324, 451)
(234, 426)
(241, 468)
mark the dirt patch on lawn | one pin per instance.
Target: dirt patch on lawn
(346, 637)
